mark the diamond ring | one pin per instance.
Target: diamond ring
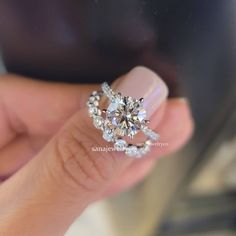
(122, 120)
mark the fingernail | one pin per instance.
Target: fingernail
(141, 82)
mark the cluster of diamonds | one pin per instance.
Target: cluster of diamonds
(125, 116)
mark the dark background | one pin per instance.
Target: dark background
(190, 43)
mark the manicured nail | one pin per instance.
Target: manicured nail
(144, 83)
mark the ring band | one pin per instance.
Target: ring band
(124, 117)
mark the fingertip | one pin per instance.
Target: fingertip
(175, 128)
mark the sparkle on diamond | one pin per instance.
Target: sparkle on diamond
(126, 115)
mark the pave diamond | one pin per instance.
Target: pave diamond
(98, 122)
(126, 116)
(145, 148)
(91, 99)
(151, 134)
(108, 91)
(120, 145)
(131, 151)
(93, 110)
(108, 135)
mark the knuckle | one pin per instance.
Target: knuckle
(78, 162)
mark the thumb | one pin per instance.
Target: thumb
(67, 175)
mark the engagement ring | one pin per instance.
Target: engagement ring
(124, 117)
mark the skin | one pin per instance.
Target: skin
(45, 137)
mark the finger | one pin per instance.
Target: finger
(176, 127)
(36, 107)
(15, 155)
(132, 175)
(30, 113)
(67, 175)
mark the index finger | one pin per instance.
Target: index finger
(36, 107)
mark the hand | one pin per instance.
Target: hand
(45, 146)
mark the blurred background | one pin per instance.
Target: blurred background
(192, 45)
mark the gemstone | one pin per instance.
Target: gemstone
(151, 134)
(96, 103)
(142, 151)
(107, 90)
(92, 99)
(108, 135)
(94, 93)
(145, 148)
(97, 97)
(99, 112)
(98, 122)
(89, 104)
(126, 116)
(148, 143)
(120, 145)
(131, 151)
(93, 110)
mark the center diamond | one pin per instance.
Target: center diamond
(126, 115)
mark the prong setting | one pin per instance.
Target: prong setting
(141, 100)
